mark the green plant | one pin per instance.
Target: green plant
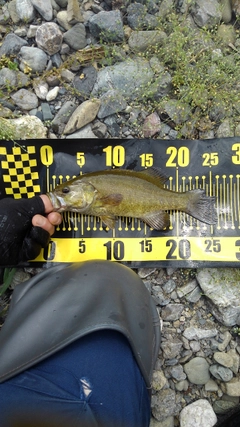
(7, 130)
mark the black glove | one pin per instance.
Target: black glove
(19, 239)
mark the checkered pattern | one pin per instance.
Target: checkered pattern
(20, 173)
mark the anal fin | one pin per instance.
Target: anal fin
(157, 220)
(109, 221)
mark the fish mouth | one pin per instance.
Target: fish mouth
(58, 205)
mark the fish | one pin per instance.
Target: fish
(113, 193)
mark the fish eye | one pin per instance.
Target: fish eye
(66, 190)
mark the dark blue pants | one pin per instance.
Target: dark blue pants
(95, 381)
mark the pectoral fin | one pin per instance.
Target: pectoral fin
(112, 199)
(157, 220)
(109, 221)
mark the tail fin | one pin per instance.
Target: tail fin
(202, 207)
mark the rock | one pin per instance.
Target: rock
(8, 77)
(198, 414)
(226, 340)
(73, 12)
(52, 94)
(62, 19)
(167, 422)
(236, 360)
(221, 373)
(25, 99)
(225, 129)
(227, 34)
(172, 348)
(164, 404)
(211, 385)
(226, 9)
(140, 41)
(151, 125)
(44, 7)
(76, 37)
(206, 14)
(177, 373)
(232, 387)
(182, 385)
(223, 359)
(84, 114)
(33, 58)
(172, 312)
(158, 380)
(199, 334)
(49, 38)
(138, 18)
(111, 102)
(46, 111)
(137, 75)
(41, 89)
(107, 25)
(197, 370)
(63, 116)
(11, 45)
(29, 127)
(178, 111)
(84, 82)
(222, 288)
(99, 129)
(13, 12)
(223, 406)
(85, 132)
(25, 10)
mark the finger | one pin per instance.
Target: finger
(55, 218)
(43, 222)
(47, 203)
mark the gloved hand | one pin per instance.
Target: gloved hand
(19, 239)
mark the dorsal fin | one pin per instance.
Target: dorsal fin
(156, 175)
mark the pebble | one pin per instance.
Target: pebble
(198, 414)
(197, 370)
(85, 113)
(221, 373)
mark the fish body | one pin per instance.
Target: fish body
(121, 192)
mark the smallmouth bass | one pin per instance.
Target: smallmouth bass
(128, 193)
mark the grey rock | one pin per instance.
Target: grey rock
(67, 75)
(11, 45)
(139, 41)
(171, 349)
(223, 406)
(46, 111)
(222, 288)
(169, 286)
(236, 360)
(177, 373)
(226, 340)
(63, 115)
(206, 14)
(164, 404)
(226, 9)
(138, 18)
(44, 7)
(199, 413)
(85, 132)
(221, 373)
(76, 37)
(41, 89)
(172, 312)
(211, 385)
(49, 37)
(137, 75)
(56, 60)
(108, 26)
(197, 370)
(232, 387)
(32, 31)
(25, 99)
(52, 94)
(186, 289)
(7, 77)
(25, 10)
(13, 12)
(158, 380)
(84, 82)
(113, 126)
(111, 102)
(34, 58)
(178, 111)
(62, 19)
(192, 333)
(225, 129)
(99, 129)
(182, 385)
(62, 3)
